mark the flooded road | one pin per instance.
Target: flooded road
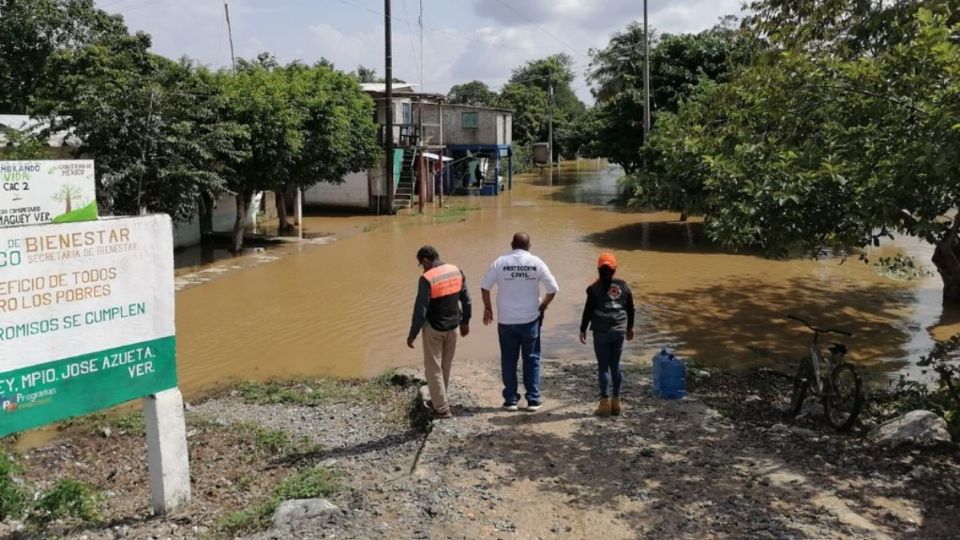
(344, 308)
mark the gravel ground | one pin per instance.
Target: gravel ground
(723, 463)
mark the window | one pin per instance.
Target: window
(407, 113)
(470, 119)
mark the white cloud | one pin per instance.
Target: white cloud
(458, 45)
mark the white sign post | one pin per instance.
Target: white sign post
(86, 323)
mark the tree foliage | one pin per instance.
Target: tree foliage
(150, 123)
(815, 146)
(33, 31)
(472, 93)
(528, 94)
(306, 125)
(678, 63)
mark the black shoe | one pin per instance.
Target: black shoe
(509, 406)
(533, 404)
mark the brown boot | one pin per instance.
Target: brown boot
(603, 408)
(616, 406)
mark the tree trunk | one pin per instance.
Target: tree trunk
(244, 200)
(946, 257)
(280, 199)
(683, 216)
(206, 215)
(69, 204)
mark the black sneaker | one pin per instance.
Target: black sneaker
(533, 404)
(508, 406)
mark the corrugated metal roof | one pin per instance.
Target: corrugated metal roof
(401, 88)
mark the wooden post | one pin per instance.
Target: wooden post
(422, 182)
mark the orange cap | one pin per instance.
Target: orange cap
(607, 259)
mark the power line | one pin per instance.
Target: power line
(435, 29)
(542, 29)
(413, 47)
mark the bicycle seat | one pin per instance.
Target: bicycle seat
(838, 349)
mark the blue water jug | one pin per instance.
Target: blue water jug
(669, 376)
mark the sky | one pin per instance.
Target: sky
(462, 40)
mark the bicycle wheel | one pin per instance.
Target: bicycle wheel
(801, 384)
(845, 397)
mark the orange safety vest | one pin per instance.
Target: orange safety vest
(444, 280)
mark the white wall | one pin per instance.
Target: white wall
(353, 192)
(186, 234)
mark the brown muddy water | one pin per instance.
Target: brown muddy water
(343, 308)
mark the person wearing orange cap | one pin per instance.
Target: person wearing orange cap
(609, 312)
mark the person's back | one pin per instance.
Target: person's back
(609, 311)
(517, 276)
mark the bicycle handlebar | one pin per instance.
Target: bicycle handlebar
(820, 330)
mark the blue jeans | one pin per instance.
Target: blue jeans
(517, 339)
(609, 347)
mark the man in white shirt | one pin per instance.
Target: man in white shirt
(517, 276)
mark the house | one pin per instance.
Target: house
(480, 141)
(429, 136)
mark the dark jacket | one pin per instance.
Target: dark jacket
(608, 308)
(442, 313)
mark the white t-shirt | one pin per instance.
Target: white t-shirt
(517, 276)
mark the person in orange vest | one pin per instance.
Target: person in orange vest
(442, 306)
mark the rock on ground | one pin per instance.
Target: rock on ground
(916, 427)
(291, 512)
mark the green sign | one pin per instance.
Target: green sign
(86, 317)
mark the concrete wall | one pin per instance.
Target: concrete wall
(354, 192)
(186, 234)
(494, 126)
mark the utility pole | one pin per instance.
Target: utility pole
(388, 70)
(233, 58)
(646, 76)
(420, 23)
(550, 135)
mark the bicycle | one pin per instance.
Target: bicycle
(832, 379)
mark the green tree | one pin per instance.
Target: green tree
(529, 105)
(810, 149)
(67, 194)
(678, 63)
(151, 124)
(523, 92)
(337, 130)
(32, 31)
(259, 98)
(472, 93)
(365, 74)
(25, 146)
(618, 67)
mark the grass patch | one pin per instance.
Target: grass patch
(902, 268)
(273, 441)
(457, 212)
(307, 484)
(390, 390)
(67, 498)
(124, 422)
(313, 392)
(12, 496)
